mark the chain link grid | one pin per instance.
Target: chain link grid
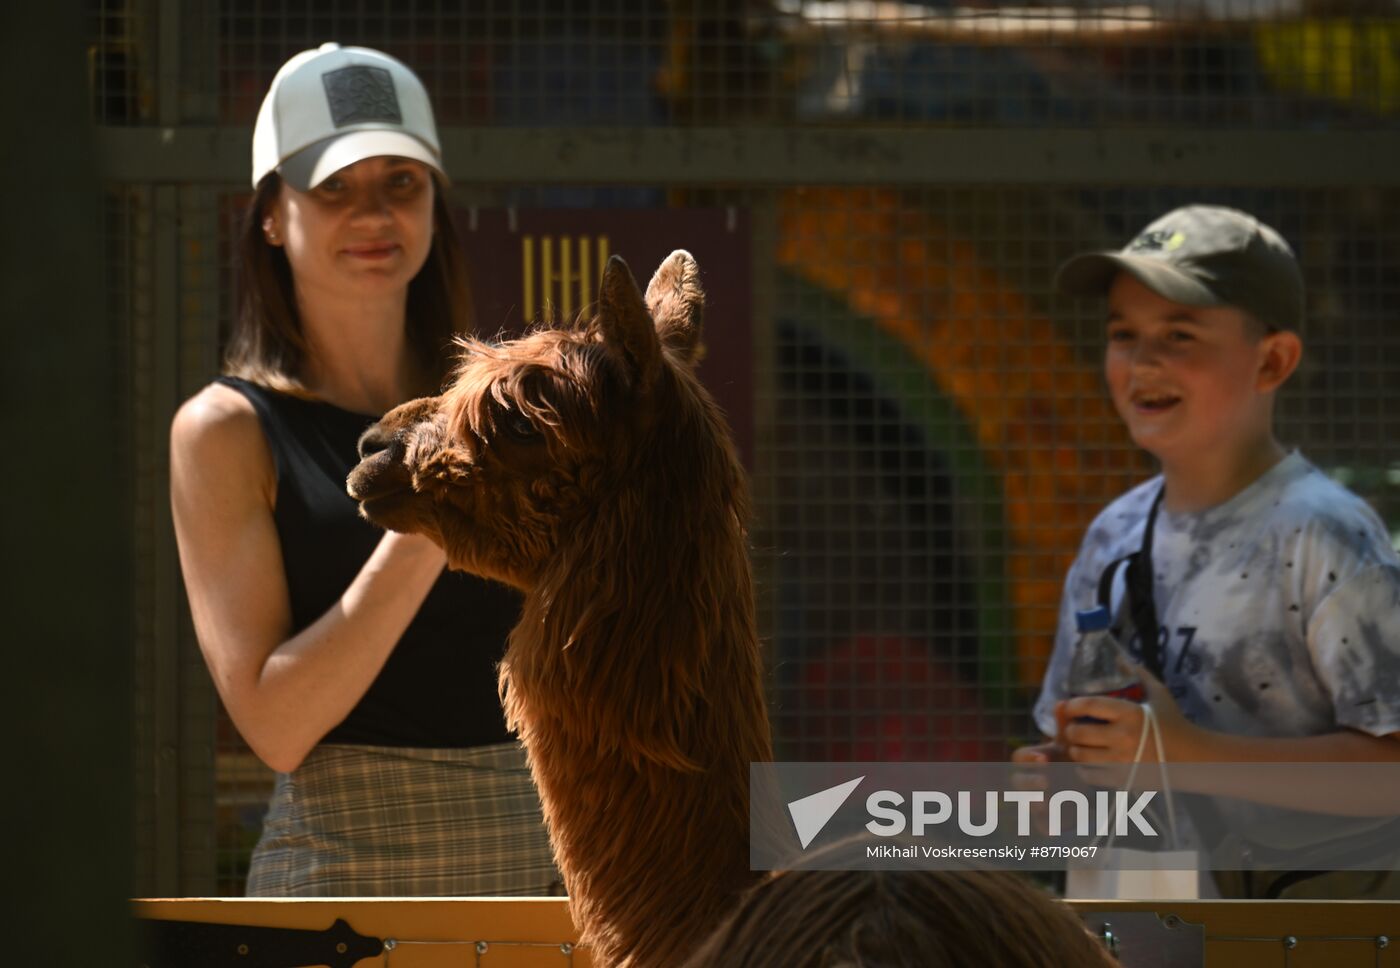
(932, 430)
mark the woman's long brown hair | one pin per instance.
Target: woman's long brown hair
(268, 346)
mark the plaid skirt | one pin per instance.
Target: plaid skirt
(402, 822)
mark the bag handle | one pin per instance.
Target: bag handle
(1149, 725)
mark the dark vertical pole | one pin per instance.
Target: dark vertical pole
(68, 616)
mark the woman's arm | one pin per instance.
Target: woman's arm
(284, 693)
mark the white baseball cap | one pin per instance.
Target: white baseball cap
(333, 106)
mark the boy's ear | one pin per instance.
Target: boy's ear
(1280, 354)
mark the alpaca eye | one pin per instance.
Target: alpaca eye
(519, 427)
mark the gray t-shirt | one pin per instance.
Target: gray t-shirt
(1280, 607)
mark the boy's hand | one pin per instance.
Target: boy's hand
(1033, 779)
(1115, 740)
(1039, 753)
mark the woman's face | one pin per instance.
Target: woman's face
(366, 229)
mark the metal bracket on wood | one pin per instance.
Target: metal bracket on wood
(198, 944)
(1148, 939)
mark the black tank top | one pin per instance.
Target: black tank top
(438, 687)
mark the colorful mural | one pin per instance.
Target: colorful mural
(1038, 412)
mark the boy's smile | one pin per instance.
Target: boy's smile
(1151, 404)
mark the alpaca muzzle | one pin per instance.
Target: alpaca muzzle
(382, 471)
(378, 439)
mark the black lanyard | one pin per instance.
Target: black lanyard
(1142, 604)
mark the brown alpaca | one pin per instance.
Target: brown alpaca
(588, 467)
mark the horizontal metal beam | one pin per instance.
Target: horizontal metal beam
(819, 155)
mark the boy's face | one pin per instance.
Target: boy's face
(1187, 380)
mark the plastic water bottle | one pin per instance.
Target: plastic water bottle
(1099, 667)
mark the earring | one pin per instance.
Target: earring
(272, 237)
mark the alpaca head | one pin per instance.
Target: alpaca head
(534, 434)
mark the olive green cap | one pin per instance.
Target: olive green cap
(1201, 255)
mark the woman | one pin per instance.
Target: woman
(350, 661)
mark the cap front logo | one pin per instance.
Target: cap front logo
(357, 94)
(1161, 240)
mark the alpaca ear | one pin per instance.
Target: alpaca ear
(625, 322)
(677, 303)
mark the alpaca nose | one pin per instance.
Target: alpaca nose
(378, 439)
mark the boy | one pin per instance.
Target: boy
(1275, 591)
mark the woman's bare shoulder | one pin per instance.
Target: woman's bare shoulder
(218, 428)
(218, 411)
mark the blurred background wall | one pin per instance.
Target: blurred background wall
(69, 600)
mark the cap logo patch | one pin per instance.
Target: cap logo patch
(357, 94)
(1161, 240)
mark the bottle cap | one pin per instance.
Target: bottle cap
(1092, 619)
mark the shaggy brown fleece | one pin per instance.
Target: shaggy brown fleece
(587, 466)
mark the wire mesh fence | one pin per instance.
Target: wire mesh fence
(929, 429)
(634, 62)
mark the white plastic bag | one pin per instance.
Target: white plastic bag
(1112, 876)
(1124, 873)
